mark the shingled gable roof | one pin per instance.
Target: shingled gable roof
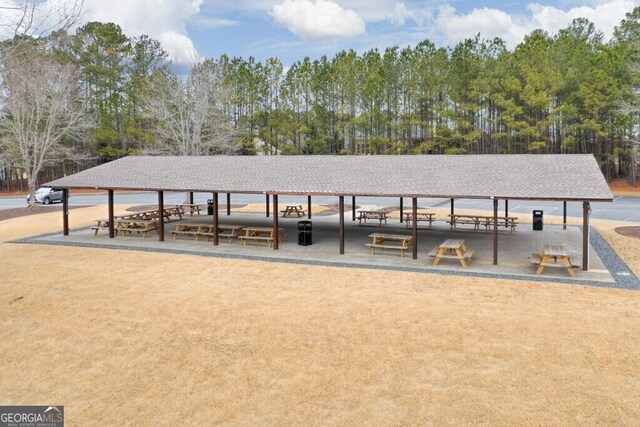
(539, 176)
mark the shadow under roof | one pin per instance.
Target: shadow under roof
(518, 176)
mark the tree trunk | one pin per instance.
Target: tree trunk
(32, 189)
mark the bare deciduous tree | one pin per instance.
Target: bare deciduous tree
(189, 115)
(41, 106)
(22, 20)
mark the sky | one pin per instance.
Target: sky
(292, 29)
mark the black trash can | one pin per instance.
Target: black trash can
(537, 220)
(209, 206)
(304, 233)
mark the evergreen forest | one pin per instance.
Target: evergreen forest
(570, 92)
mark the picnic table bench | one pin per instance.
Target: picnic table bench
(260, 234)
(374, 215)
(382, 241)
(452, 249)
(291, 209)
(421, 216)
(553, 256)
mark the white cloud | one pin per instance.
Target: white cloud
(381, 10)
(180, 47)
(488, 22)
(400, 12)
(606, 15)
(319, 19)
(207, 22)
(491, 23)
(370, 10)
(163, 20)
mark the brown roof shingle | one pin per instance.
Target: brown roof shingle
(533, 176)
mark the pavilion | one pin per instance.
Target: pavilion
(543, 177)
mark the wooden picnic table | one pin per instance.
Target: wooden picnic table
(141, 222)
(452, 249)
(375, 215)
(227, 231)
(260, 234)
(456, 219)
(291, 209)
(484, 220)
(197, 229)
(131, 225)
(153, 214)
(190, 208)
(390, 241)
(503, 221)
(553, 256)
(100, 224)
(128, 224)
(190, 229)
(421, 216)
(173, 211)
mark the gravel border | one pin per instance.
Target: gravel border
(623, 276)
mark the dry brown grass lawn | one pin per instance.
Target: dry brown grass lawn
(141, 338)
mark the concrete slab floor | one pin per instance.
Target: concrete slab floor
(514, 248)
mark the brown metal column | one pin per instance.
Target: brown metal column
(564, 215)
(161, 219)
(495, 231)
(190, 197)
(65, 212)
(402, 208)
(341, 230)
(451, 206)
(267, 198)
(216, 219)
(228, 204)
(110, 202)
(309, 207)
(275, 221)
(353, 208)
(585, 236)
(415, 227)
